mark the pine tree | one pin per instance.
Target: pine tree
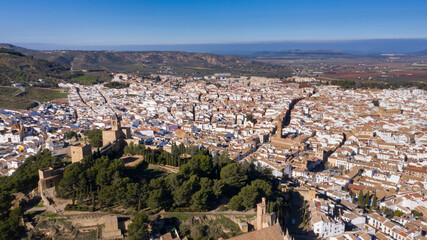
(360, 199)
(93, 200)
(99, 197)
(139, 204)
(74, 197)
(80, 199)
(366, 200)
(374, 201)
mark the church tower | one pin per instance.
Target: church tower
(280, 127)
(115, 123)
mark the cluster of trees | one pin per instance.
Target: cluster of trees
(364, 201)
(11, 52)
(390, 213)
(251, 118)
(205, 181)
(95, 137)
(26, 70)
(349, 84)
(177, 157)
(346, 84)
(211, 229)
(138, 229)
(24, 179)
(105, 180)
(117, 85)
(250, 195)
(370, 202)
(200, 185)
(10, 220)
(72, 134)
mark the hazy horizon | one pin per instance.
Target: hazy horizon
(351, 46)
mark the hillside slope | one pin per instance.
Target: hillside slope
(16, 67)
(152, 61)
(155, 62)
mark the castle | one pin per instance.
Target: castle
(48, 179)
(115, 133)
(112, 138)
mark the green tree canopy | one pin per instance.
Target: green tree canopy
(235, 203)
(95, 137)
(374, 201)
(263, 188)
(182, 195)
(234, 177)
(361, 199)
(249, 196)
(201, 200)
(138, 229)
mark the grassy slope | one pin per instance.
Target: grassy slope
(84, 79)
(9, 101)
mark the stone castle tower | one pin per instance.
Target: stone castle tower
(264, 219)
(116, 132)
(260, 214)
(79, 151)
(115, 123)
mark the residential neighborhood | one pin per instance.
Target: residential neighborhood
(339, 143)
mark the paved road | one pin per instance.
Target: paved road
(106, 98)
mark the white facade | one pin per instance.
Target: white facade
(10, 138)
(328, 228)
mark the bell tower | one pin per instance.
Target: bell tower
(115, 123)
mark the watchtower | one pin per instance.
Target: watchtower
(264, 219)
(79, 151)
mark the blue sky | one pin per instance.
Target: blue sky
(104, 22)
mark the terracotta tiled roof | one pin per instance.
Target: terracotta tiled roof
(270, 233)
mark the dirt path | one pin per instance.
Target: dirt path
(227, 213)
(131, 161)
(167, 168)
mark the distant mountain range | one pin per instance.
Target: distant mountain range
(369, 46)
(157, 62)
(124, 61)
(27, 65)
(421, 53)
